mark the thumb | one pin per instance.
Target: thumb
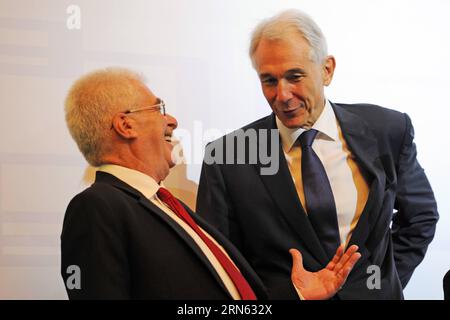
(297, 262)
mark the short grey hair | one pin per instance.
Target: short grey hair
(91, 104)
(283, 24)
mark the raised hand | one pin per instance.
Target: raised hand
(324, 283)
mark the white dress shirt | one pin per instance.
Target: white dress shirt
(349, 188)
(149, 187)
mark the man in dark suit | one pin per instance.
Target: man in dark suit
(126, 236)
(344, 174)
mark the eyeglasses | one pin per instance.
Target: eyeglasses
(160, 106)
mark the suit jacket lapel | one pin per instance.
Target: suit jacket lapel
(282, 189)
(185, 237)
(153, 209)
(247, 271)
(364, 147)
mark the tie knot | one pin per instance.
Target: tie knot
(164, 194)
(307, 137)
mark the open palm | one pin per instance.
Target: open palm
(324, 283)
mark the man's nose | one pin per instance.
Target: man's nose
(284, 92)
(171, 121)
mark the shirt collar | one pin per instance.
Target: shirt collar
(326, 124)
(136, 179)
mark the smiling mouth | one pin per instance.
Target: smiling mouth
(168, 138)
(291, 106)
(293, 110)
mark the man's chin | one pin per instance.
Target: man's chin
(171, 164)
(297, 119)
(294, 123)
(172, 160)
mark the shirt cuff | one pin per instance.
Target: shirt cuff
(298, 292)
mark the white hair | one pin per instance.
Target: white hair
(282, 25)
(91, 104)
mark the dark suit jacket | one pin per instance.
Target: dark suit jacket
(262, 214)
(127, 248)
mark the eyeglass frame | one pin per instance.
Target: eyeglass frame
(161, 107)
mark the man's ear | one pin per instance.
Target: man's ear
(328, 70)
(124, 126)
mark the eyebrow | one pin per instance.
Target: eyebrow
(295, 70)
(265, 75)
(288, 72)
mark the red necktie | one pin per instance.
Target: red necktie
(239, 281)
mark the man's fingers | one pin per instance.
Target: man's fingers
(297, 264)
(344, 258)
(348, 266)
(339, 252)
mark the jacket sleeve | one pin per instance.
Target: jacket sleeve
(414, 223)
(93, 240)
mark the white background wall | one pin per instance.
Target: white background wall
(194, 55)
